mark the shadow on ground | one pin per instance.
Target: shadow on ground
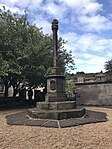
(22, 118)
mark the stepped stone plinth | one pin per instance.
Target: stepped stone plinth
(56, 114)
(63, 105)
(56, 105)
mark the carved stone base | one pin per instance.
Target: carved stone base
(55, 97)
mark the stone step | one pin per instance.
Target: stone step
(65, 105)
(56, 114)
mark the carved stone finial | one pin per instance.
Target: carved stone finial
(55, 24)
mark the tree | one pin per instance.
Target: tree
(108, 65)
(25, 52)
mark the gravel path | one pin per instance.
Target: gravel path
(89, 136)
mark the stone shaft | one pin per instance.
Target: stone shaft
(55, 45)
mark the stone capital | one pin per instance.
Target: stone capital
(55, 24)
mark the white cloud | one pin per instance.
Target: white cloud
(83, 12)
(78, 42)
(79, 61)
(72, 3)
(13, 9)
(87, 42)
(13, 1)
(52, 9)
(92, 69)
(92, 8)
(34, 4)
(83, 6)
(76, 3)
(23, 4)
(88, 56)
(9, 2)
(94, 64)
(103, 44)
(90, 51)
(55, 10)
(42, 22)
(97, 60)
(95, 23)
(71, 38)
(109, 54)
(86, 15)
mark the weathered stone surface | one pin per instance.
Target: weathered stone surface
(56, 91)
(55, 97)
(56, 114)
(65, 105)
(94, 94)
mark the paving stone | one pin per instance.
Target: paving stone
(22, 118)
(50, 123)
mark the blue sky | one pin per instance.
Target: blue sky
(85, 24)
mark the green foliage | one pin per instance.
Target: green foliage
(70, 87)
(26, 51)
(84, 75)
(108, 65)
(69, 76)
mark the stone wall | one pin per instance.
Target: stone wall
(94, 94)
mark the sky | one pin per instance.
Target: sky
(86, 25)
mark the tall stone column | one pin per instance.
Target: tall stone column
(55, 45)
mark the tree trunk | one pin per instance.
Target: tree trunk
(6, 90)
(14, 90)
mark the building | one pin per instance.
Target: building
(90, 77)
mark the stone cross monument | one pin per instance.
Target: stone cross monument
(56, 105)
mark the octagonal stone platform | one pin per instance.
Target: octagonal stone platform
(22, 118)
